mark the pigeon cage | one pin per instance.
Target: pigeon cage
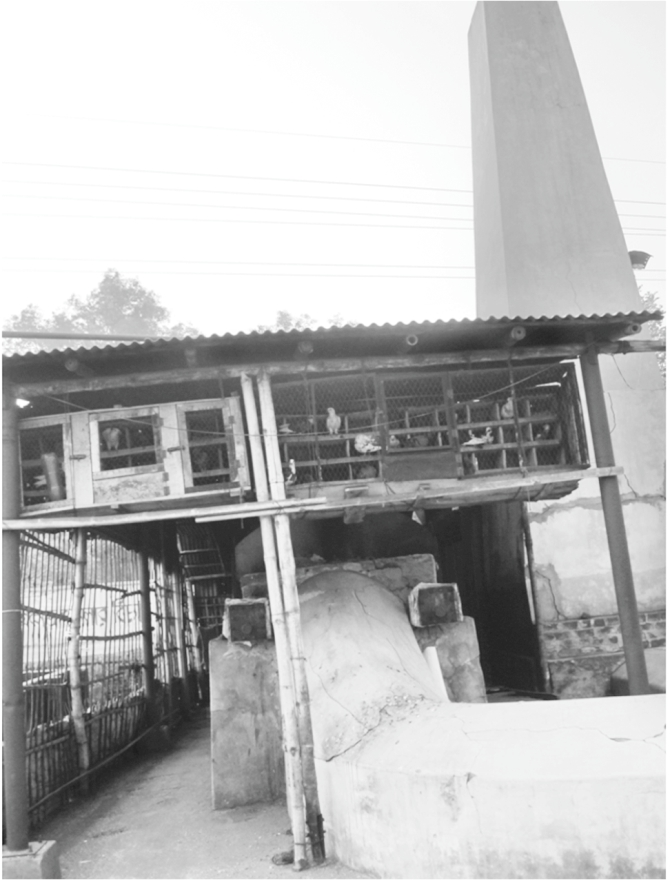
(526, 418)
(429, 425)
(44, 448)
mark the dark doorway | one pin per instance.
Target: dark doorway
(482, 550)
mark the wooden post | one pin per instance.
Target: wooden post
(622, 571)
(13, 698)
(287, 692)
(178, 602)
(292, 611)
(74, 658)
(195, 638)
(147, 636)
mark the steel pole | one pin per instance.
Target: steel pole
(617, 540)
(13, 699)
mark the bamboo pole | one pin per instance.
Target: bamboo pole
(287, 692)
(147, 636)
(13, 698)
(195, 638)
(292, 613)
(74, 659)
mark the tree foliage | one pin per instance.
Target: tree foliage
(117, 305)
(651, 303)
(286, 321)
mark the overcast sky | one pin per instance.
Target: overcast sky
(244, 157)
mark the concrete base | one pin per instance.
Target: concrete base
(411, 786)
(39, 860)
(247, 755)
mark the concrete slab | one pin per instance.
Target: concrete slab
(40, 860)
(411, 786)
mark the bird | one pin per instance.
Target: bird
(292, 476)
(200, 460)
(507, 409)
(544, 432)
(366, 472)
(333, 421)
(112, 438)
(394, 443)
(482, 440)
(366, 444)
(470, 463)
(285, 428)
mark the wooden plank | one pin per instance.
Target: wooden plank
(204, 374)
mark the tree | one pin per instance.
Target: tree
(651, 303)
(117, 305)
(286, 321)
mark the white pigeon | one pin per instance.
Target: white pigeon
(507, 409)
(394, 443)
(112, 437)
(333, 421)
(366, 444)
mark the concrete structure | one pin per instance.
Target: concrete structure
(548, 241)
(247, 758)
(413, 786)
(39, 861)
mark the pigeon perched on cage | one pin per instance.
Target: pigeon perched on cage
(366, 472)
(507, 409)
(112, 438)
(481, 440)
(333, 421)
(366, 444)
(290, 473)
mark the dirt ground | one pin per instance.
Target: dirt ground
(152, 818)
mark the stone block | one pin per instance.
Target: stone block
(40, 860)
(430, 604)
(247, 620)
(458, 653)
(247, 755)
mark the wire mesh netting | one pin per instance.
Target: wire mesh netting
(127, 443)
(42, 472)
(448, 423)
(208, 448)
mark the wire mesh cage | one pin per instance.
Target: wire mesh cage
(42, 455)
(519, 418)
(456, 423)
(329, 428)
(208, 448)
(127, 442)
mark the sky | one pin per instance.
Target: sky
(239, 158)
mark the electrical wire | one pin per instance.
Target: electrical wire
(238, 193)
(232, 176)
(241, 207)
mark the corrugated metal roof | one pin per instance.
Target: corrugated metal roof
(450, 327)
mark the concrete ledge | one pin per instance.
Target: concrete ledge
(40, 860)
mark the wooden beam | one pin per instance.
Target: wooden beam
(28, 390)
(200, 514)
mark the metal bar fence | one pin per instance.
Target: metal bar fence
(115, 705)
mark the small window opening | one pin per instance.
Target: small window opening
(42, 473)
(127, 443)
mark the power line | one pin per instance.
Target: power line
(239, 207)
(238, 193)
(222, 220)
(247, 274)
(240, 263)
(255, 208)
(232, 176)
(339, 137)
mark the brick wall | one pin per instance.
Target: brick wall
(582, 653)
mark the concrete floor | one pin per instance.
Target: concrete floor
(152, 818)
